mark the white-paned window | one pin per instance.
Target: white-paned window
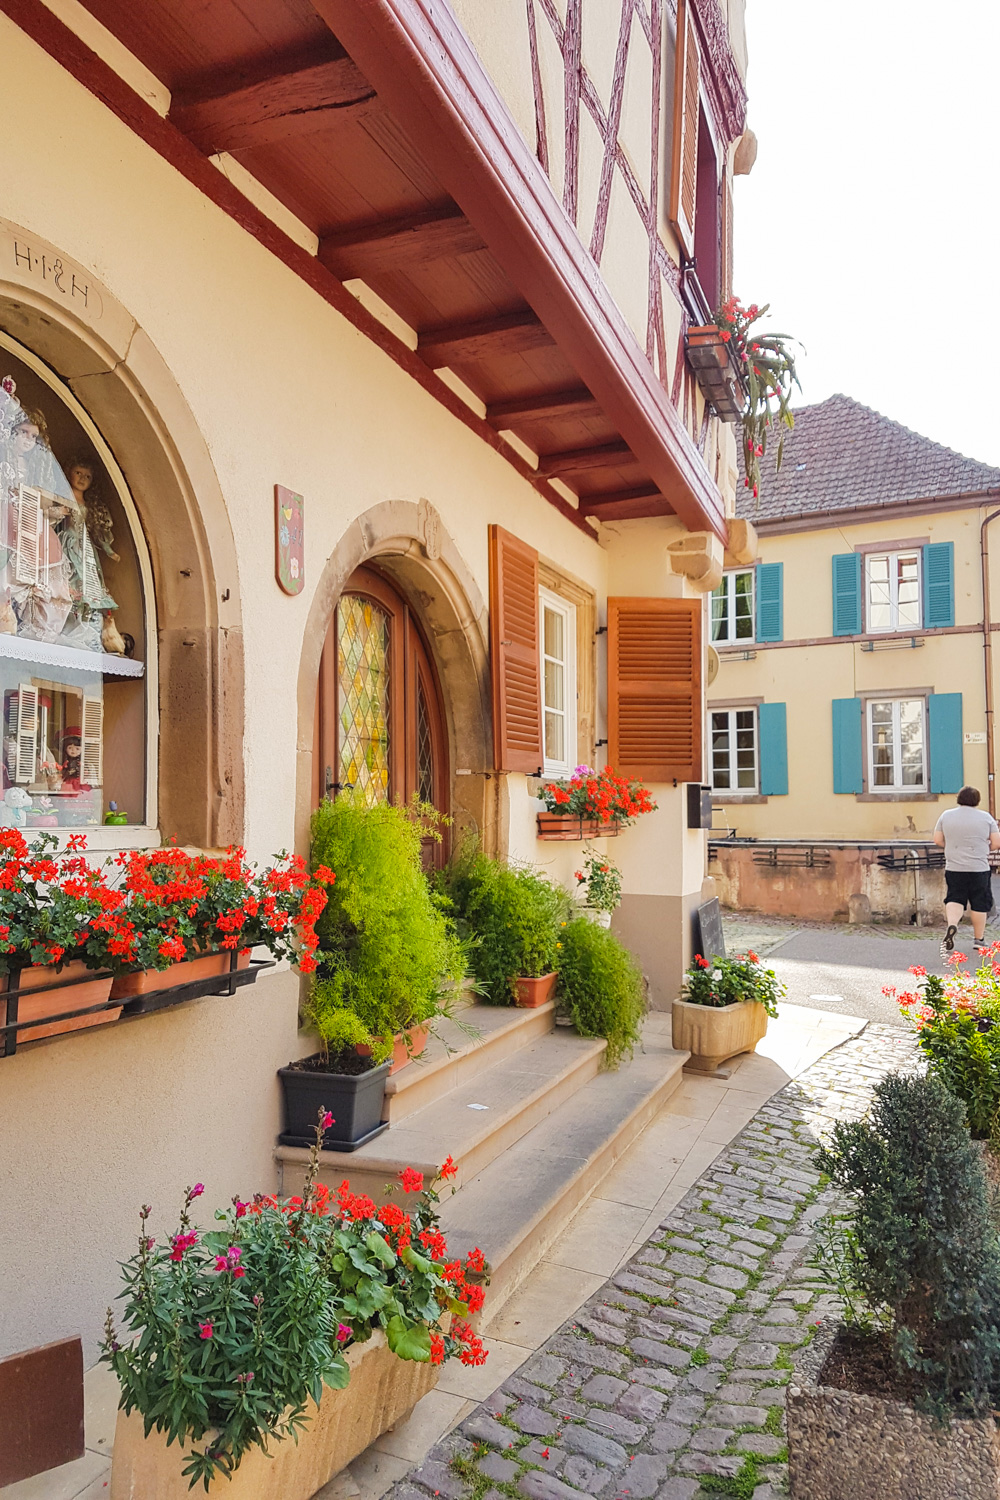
(892, 590)
(897, 745)
(558, 635)
(733, 608)
(733, 734)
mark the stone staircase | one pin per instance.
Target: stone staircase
(529, 1117)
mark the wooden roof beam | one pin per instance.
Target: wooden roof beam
(294, 101)
(466, 343)
(546, 406)
(418, 239)
(626, 505)
(578, 460)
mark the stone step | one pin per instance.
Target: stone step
(474, 1123)
(461, 1047)
(522, 1201)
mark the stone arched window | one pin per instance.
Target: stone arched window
(78, 673)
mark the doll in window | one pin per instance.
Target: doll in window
(91, 624)
(38, 496)
(71, 763)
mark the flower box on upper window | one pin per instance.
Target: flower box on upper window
(719, 378)
(591, 804)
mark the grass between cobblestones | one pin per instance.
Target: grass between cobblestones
(669, 1382)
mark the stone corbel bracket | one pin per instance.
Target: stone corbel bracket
(698, 555)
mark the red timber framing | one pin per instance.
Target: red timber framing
(374, 123)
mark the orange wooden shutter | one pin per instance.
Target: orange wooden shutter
(654, 688)
(727, 241)
(517, 688)
(684, 162)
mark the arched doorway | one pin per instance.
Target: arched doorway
(379, 725)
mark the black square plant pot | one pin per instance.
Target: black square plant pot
(354, 1100)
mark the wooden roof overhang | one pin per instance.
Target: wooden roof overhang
(374, 123)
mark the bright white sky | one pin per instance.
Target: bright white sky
(871, 221)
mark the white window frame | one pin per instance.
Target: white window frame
(729, 582)
(547, 600)
(898, 787)
(891, 558)
(739, 708)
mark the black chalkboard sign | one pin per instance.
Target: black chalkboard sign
(709, 935)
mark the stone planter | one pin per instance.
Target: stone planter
(842, 1444)
(382, 1390)
(535, 991)
(714, 1033)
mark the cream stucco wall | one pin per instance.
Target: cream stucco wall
(281, 389)
(807, 671)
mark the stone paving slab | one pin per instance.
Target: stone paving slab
(668, 1384)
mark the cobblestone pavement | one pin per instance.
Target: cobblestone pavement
(670, 1381)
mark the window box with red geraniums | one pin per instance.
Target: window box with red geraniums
(273, 1348)
(591, 804)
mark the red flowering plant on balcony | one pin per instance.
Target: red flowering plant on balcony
(768, 368)
(599, 795)
(231, 1333)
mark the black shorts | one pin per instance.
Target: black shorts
(970, 888)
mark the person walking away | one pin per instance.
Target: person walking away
(966, 833)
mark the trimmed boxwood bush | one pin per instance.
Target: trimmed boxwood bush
(601, 987)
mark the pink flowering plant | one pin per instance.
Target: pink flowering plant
(957, 1021)
(768, 368)
(231, 1334)
(725, 981)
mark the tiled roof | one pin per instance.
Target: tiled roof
(841, 455)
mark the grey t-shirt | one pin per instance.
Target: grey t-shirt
(966, 837)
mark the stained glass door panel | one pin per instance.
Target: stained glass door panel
(363, 666)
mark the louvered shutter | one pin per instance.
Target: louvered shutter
(29, 530)
(726, 257)
(92, 742)
(772, 732)
(27, 734)
(655, 711)
(847, 593)
(847, 760)
(939, 586)
(769, 582)
(514, 653)
(684, 158)
(944, 723)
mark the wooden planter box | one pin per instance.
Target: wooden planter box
(872, 1448)
(714, 1033)
(720, 381)
(558, 826)
(533, 992)
(382, 1391)
(71, 988)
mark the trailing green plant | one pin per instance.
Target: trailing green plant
(601, 987)
(768, 367)
(926, 1257)
(389, 955)
(603, 881)
(725, 981)
(957, 1020)
(510, 915)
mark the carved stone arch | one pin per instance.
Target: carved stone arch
(410, 543)
(91, 344)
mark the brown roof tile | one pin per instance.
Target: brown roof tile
(841, 455)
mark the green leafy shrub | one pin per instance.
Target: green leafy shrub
(924, 1252)
(725, 981)
(389, 956)
(512, 918)
(601, 987)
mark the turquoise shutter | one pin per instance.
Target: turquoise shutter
(847, 594)
(773, 743)
(944, 717)
(769, 601)
(847, 769)
(939, 585)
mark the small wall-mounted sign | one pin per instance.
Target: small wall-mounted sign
(975, 737)
(289, 540)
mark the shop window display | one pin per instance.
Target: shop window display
(71, 619)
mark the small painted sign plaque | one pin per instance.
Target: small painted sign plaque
(289, 540)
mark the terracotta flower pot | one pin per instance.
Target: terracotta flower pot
(148, 981)
(554, 826)
(401, 1052)
(714, 1033)
(67, 997)
(382, 1390)
(534, 991)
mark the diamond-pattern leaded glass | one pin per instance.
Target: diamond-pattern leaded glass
(363, 665)
(425, 749)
